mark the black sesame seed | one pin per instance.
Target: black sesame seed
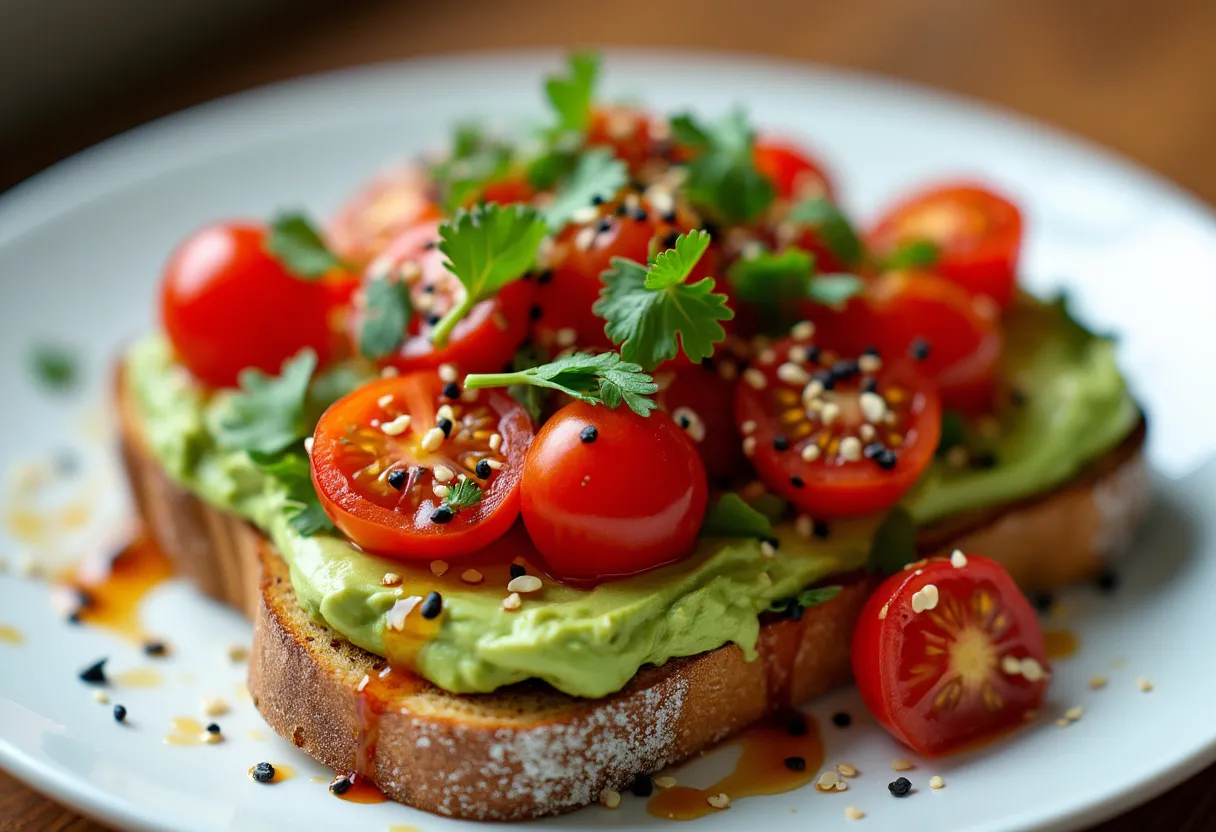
(431, 320)
(621, 210)
(1018, 397)
(871, 351)
(545, 277)
(640, 215)
(812, 353)
(710, 228)
(826, 378)
(819, 528)
(155, 648)
(213, 728)
(668, 217)
(535, 312)
(518, 570)
(589, 434)
(442, 515)
(396, 478)
(886, 459)
(483, 469)
(670, 240)
(794, 611)
(684, 421)
(605, 225)
(74, 617)
(451, 390)
(597, 200)
(845, 369)
(432, 605)
(869, 385)
(900, 787)
(120, 713)
(95, 674)
(341, 784)
(797, 481)
(1042, 601)
(428, 289)
(841, 719)
(780, 443)
(984, 460)
(262, 772)
(1108, 581)
(919, 349)
(795, 724)
(795, 763)
(431, 244)
(446, 426)
(642, 786)
(872, 450)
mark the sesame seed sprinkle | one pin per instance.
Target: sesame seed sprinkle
(385, 400)
(754, 378)
(1144, 684)
(853, 813)
(609, 798)
(495, 442)
(925, 598)
(397, 426)
(850, 448)
(719, 801)
(447, 372)
(811, 452)
(432, 439)
(525, 583)
(902, 764)
(748, 427)
(1074, 713)
(665, 781)
(803, 331)
(957, 559)
(471, 576)
(749, 445)
(791, 373)
(936, 782)
(439, 568)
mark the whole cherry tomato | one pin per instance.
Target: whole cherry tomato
(391, 202)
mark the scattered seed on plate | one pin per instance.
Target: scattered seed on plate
(1063, 722)
(900, 787)
(101, 696)
(830, 781)
(610, 798)
(390, 579)
(1144, 684)
(957, 559)
(846, 770)
(936, 782)
(719, 801)
(262, 772)
(925, 599)
(1097, 682)
(120, 713)
(665, 781)
(853, 813)
(237, 652)
(214, 706)
(902, 764)
(1074, 713)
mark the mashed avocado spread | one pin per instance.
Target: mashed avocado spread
(591, 642)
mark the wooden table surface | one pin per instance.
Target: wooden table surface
(1134, 76)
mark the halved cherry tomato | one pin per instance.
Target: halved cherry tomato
(514, 188)
(949, 653)
(978, 234)
(702, 403)
(793, 172)
(607, 493)
(394, 200)
(483, 342)
(626, 130)
(223, 299)
(955, 338)
(836, 437)
(384, 456)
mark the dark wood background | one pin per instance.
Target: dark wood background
(1135, 76)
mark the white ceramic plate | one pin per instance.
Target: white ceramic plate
(80, 251)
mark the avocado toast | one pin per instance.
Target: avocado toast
(540, 704)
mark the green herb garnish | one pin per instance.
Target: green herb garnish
(386, 315)
(267, 414)
(486, 248)
(293, 470)
(570, 95)
(477, 158)
(596, 379)
(794, 606)
(533, 398)
(835, 289)
(648, 308)
(773, 283)
(54, 367)
(732, 517)
(913, 254)
(298, 246)
(463, 494)
(596, 174)
(832, 226)
(722, 178)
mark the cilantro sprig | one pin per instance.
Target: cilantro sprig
(722, 177)
(913, 254)
(268, 413)
(477, 158)
(795, 605)
(775, 282)
(596, 379)
(486, 248)
(596, 174)
(294, 472)
(463, 494)
(386, 314)
(570, 95)
(652, 311)
(832, 226)
(298, 246)
(732, 517)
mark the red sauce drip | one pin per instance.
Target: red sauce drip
(115, 587)
(760, 770)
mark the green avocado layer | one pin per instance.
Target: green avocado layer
(591, 642)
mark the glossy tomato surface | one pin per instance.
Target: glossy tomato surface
(836, 436)
(484, 341)
(607, 493)
(792, 170)
(948, 653)
(385, 456)
(624, 130)
(978, 234)
(702, 402)
(391, 202)
(224, 299)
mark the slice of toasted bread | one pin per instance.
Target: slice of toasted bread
(529, 751)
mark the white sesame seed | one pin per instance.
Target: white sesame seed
(804, 526)
(813, 390)
(831, 411)
(524, 583)
(728, 370)
(767, 549)
(447, 373)
(237, 652)
(385, 400)
(882, 613)
(872, 406)
(585, 237)
(439, 568)
(1032, 671)
(398, 426)
(399, 611)
(495, 464)
(925, 598)
(214, 706)
(390, 579)
(566, 336)
(1063, 722)
(803, 331)
(719, 801)
(584, 215)
(471, 576)
(1011, 666)
(1144, 684)
(443, 473)
(748, 427)
(754, 378)
(902, 764)
(749, 445)
(936, 782)
(828, 781)
(850, 448)
(869, 363)
(957, 559)
(1074, 713)
(810, 452)
(664, 781)
(409, 271)
(853, 813)
(512, 601)
(796, 354)
(101, 696)
(867, 433)
(846, 770)
(688, 419)
(308, 440)
(432, 439)
(211, 739)
(609, 798)
(440, 491)
(468, 396)
(445, 412)
(767, 356)
(791, 373)
(495, 442)
(362, 683)
(1097, 682)
(389, 372)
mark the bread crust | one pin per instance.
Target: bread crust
(529, 751)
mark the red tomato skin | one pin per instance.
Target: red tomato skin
(629, 501)
(380, 530)
(625, 130)
(223, 304)
(711, 398)
(878, 661)
(793, 171)
(982, 258)
(391, 202)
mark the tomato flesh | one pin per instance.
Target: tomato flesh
(484, 341)
(793, 172)
(836, 437)
(946, 675)
(628, 499)
(382, 483)
(391, 202)
(978, 234)
(222, 302)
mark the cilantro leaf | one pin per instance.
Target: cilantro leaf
(596, 379)
(597, 174)
(835, 289)
(732, 517)
(476, 159)
(533, 398)
(914, 254)
(293, 471)
(773, 284)
(298, 246)
(646, 309)
(463, 494)
(53, 366)
(570, 94)
(267, 413)
(794, 606)
(385, 317)
(486, 248)
(722, 177)
(832, 226)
